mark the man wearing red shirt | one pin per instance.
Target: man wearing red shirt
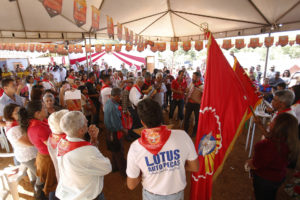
(192, 106)
(178, 88)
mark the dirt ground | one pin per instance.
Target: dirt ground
(232, 184)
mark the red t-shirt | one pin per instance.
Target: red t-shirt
(270, 163)
(1, 92)
(38, 132)
(178, 86)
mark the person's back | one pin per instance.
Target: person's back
(89, 170)
(167, 167)
(161, 155)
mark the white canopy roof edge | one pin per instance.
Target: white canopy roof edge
(163, 20)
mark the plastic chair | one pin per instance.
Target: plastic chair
(13, 176)
(3, 140)
(260, 111)
(4, 189)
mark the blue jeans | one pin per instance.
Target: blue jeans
(100, 197)
(150, 196)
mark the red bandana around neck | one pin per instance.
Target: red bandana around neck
(265, 87)
(154, 139)
(147, 83)
(12, 124)
(55, 138)
(137, 87)
(283, 111)
(104, 86)
(198, 83)
(89, 81)
(128, 88)
(65, 146)
(71, 77)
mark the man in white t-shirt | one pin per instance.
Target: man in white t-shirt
(161, 157)
(106, 89)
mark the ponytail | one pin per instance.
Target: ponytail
(27, 114)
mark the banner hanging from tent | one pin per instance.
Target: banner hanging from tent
(131, 37)
(110, 27)
(187, 45)
(174, 46)
(95, 19)
(128, 47)
(240, 43)
(127, 36)
(53, 7)
(254, 42)
(79, 12)
(161, 46)
(227, 44)
(199, 45)
(269, 41)
(120, 31)
(283, 41)
(140, 47)
(154, 48)
(298, 39)
(108, 48)
(98, 47)
(118, 47)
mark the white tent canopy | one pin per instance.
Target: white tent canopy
(154, 19)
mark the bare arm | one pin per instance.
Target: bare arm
(192, 165)
(24, 140)
(133, 182)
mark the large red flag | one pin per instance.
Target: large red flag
(250, 89)
(222, 114)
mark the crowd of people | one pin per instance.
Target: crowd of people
(60, 145)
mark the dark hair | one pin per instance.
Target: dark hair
(91, 74)
(150, 113)
(28, 78)
(26, 114)
(8, 111)
(168, 71)
(285, 129)
(296, 89)
(147, 75)
(105, 78)
(282, 85)
(288, 73)
(81, 88)
(116, 92)
(36, 92)
(5, 82)
(180, 71)
(197, 74)
(64, 82)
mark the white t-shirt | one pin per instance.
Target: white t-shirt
(160, 96)
(105, 95)
(48, 85)
(81, 173)
(163, 174)
(296, 109)
(56, 76)
(22, 153)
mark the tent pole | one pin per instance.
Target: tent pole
(267, 58)
(91, 63)
(86, 55)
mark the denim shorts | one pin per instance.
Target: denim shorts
(150, 196)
